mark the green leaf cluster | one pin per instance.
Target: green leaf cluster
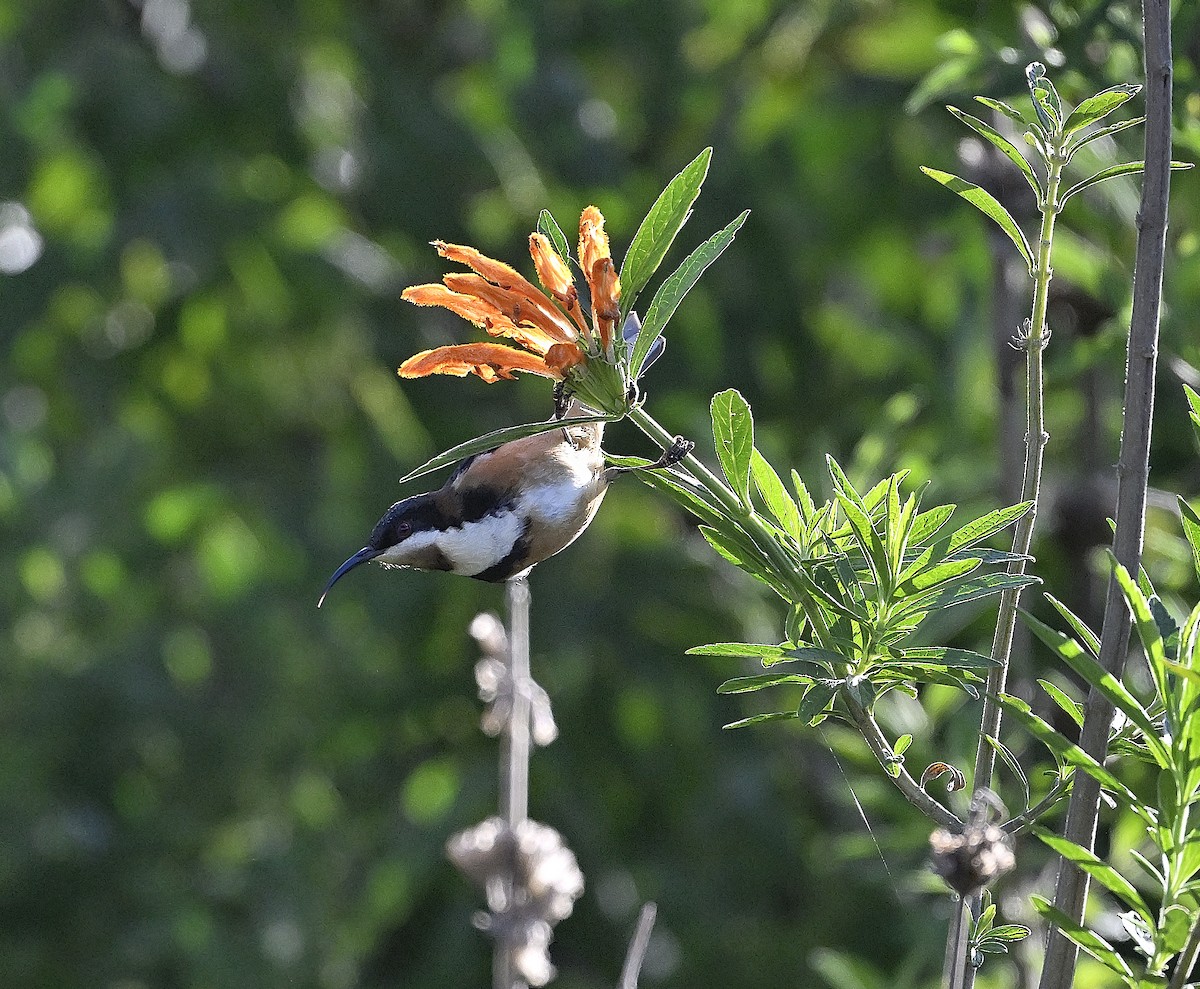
(1055, 138)
(860, 573)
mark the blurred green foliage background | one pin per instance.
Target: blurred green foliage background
(207, 213)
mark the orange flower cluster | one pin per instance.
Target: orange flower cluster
(550, 330)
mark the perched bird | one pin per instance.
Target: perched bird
(500, 512)
(503, 511)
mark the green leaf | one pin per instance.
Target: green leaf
(775, 496)
(746, 685)
(816, 700)
(1125, 168)
(1072, 754)
(1147, 628)
(985, 526)
(1001, 107)
(928, 523)
(902, 744)
(948, 656)
(987, 204)
(927, 673)
(759, 719)
(1118, 695)
(867, 538)
(733, 545)
(1072, 709)
(1013, 765)
(1093, 944)
(1194, 410)
(658, 230)
(1004, 144)
(842, 483)
(1086, 636)
(672, 291)
(1096, 108)
(1009, 932)
(497, 437)
(943, 573)
(1103, 132)
(1191, 529)
(1098, 869)
(733, 434)
(970, 590)
(548, 227)
(738, 650)
(808, 654)
(1177, 923)
(808, 508)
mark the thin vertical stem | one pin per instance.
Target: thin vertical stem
(1132, 469)
(1035, 337)
(514, 759)
(954, 974)
(1035, 443)
(515, 796)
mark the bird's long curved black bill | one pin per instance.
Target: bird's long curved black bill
(362, 556)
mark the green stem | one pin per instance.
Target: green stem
(1035, 338)
(749, 521)
(1035, 443)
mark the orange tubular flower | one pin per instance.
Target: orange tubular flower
(502, 302)
(549, 327)
(596, 260)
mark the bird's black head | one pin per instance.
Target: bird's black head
(419, 513)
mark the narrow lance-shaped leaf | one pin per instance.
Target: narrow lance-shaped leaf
(1093, 944)
(1112, 172)
(1014, 767)
(1193, 408)
(1072, 709)
(1147, 628)
(733, 434)
(1004, 144)
(949, 656)
(1103, 132)
(738, 650)
(808, 508)
(1071, 652)
(1086, 636)
(1191, 529)
(497, 437)
(1098, 869)
(760, 719)
(987, 204)
(657, 231)
(815, 700)
(548, 227)
(970, 590)
(928, 523)
(1096, 108)
(666, 300)
(774, 495)
(745, 685)
(985, 526)
(1001, 107)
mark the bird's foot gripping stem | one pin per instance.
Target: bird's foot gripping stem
(673, 454)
